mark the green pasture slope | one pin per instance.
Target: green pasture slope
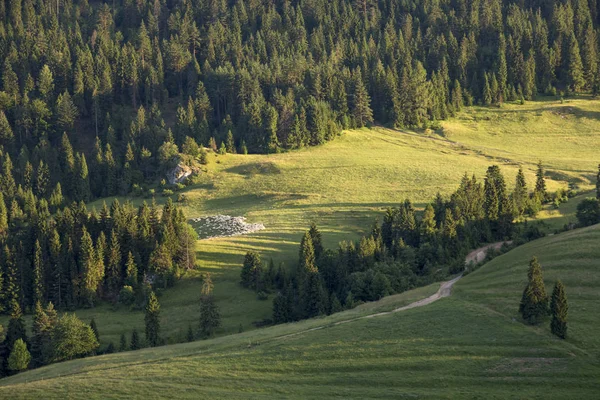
(344, 185)
(470, 345)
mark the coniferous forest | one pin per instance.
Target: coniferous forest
(102, 98)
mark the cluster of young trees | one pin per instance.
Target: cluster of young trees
(588, 210)
(535, 304)
(405, 251)
(260, 75)
(53, 339)
(76, 258)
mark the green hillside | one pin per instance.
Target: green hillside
(345, 184)
(471, 344)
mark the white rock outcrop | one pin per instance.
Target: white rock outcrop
(223, 226)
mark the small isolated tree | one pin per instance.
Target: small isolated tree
(540, 183)
(251, 270)
(123, 343)
(210, 317)
(534, 303)
(559, 309)
(19, 358)
(135, 340)
(152, 321)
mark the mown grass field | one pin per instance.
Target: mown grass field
(344, 185)
(470, 345)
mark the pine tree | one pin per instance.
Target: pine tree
(534, 303)
(94, 328)
(361, 102)
(131, 271)
(540, 183)
(307, 255)
(317, 240)
(135, 340)
(190, 337)
(89, 266)
(520, 194)
(4, 216)
(38, 274)
(575, 79)
(19, 358)
(559, 309)
(123, 343)
(210, 317)
(251, 268)
(152, 321)
(6, 133)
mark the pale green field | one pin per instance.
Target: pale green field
(470, 345)
(344, 185)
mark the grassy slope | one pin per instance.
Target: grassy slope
(345, 184)
(465, 346)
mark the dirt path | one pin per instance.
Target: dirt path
(445, 290)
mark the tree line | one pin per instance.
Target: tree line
(405, 251)
(76, 258)
(130, 83)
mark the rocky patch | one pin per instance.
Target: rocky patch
(223, 226)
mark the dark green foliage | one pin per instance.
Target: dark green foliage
(540, 183)
(404, 252)
(123, 343)
(251, 274)
(152, 321)
(135, 340)
(534, 303)
(210, 317)
(588, 212)
(559, 309)
(95, 329)
(190, 337)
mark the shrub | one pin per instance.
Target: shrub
(127, 295)
(588, 212)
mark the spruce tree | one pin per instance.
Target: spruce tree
(559, 309)
(94, 328)
(540, 183)
(361, 102)
(152, 320)
(210, 316)
(317, 240)
(575, 78)
(135, 340)
(123, 343)
(534, 303)
(251, 270)
(307, 255)
(38, 274)
(520, 194)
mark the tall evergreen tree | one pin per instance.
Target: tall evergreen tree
(152, 321)
(534, 303)
(559, 309)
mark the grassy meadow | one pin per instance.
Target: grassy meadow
(345, 184)
(470, 345)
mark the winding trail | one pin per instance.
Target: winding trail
(445, 290)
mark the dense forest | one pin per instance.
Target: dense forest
(407, 250)
(131, 84)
